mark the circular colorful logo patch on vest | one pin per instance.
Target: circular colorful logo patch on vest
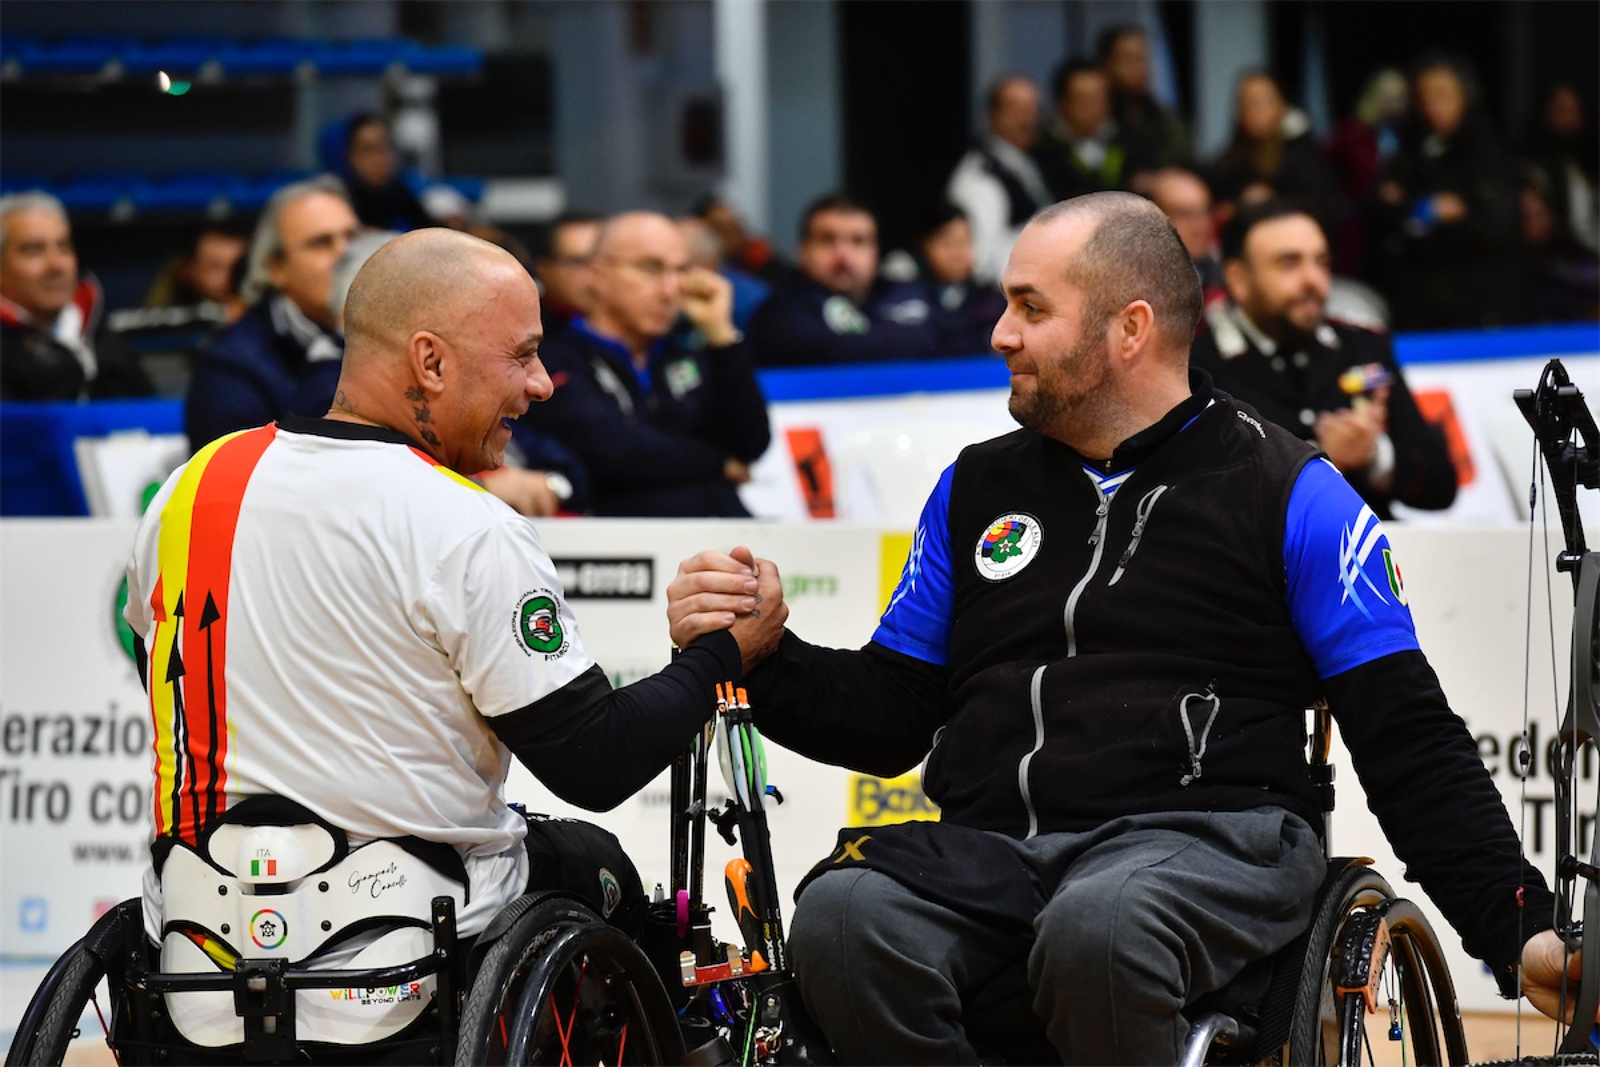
(538, 624)
(1009, 544)
(268, 928)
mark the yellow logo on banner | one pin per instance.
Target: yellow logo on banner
(892, 553)
(883, 801)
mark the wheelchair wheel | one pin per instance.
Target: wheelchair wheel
(561, 986)
(1416, 1019)
(75, 982)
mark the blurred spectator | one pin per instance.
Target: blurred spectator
(358, 150)
(1360, 147)
(204, 272)
(1081, 150)
(705, 251)
(838, 310)
(1336, 385)
(1154, 136)
(563, 269)
(971, 307)
(1564, 146)
(1561, 277)
(1273, 153)
(53, 340)
(741, 251)
(1449, 209)
(667, 421)
(998, 184)
(283, 356)
(1184, 198)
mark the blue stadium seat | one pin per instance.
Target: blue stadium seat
(184, 56)
(22, 182)
(252, 194)
(79, 55)
(188, 193)
(335, 59)
(443, 60)
(276, 56)
(101, 192)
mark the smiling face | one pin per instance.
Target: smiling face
(1054, 341)
(490, 369)
(1282, 277)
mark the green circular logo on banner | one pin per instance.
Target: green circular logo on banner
(125, 635)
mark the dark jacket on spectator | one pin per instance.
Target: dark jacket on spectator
(271, 363)
(1154, 136)
(1449, 275)
(971, 310)
(35, 364)
(805, 323)
(1291, 388)
(654, 443)
(1067, 175)
(1296, 171)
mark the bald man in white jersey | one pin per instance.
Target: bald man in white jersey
(333, 612)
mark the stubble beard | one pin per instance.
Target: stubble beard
(1073, 397)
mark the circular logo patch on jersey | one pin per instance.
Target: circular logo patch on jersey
(538, 624)
(268, 928)
(1008, 545)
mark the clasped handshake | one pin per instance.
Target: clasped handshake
(731, 591)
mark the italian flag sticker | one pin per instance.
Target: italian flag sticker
(270, 867)
(1397, 585)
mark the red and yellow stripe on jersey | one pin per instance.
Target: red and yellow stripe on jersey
(189, 641)
(459, 479)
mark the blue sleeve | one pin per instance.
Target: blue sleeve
(222, 400)
(1345, 592)
(917, 621)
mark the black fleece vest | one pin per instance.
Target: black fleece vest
(1085, 637)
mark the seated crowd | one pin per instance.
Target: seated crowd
(1412, 215)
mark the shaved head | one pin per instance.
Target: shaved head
(623, 235)
(1128, 250)
(431, 279)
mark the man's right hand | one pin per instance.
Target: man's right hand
(728, 591)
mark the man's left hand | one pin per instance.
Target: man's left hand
(1542, 957)
(708, 301)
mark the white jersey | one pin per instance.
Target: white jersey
(332, 617)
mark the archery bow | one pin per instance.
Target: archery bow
(1570, 443)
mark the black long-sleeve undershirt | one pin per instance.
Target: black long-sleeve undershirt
(876, 711)
(1440, 810)
(595, 746)
(873, 711)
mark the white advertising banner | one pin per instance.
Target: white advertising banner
(75, 744)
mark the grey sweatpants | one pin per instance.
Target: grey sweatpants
(1143, 915)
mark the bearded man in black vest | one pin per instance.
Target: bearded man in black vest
(1104, 641)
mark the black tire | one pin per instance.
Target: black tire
(50, 1022)
(1327, 1029)
(532, 960)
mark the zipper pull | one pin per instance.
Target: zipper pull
(1100, 523)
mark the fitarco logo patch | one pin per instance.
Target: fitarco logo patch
(538, 624)
(1007, 545)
